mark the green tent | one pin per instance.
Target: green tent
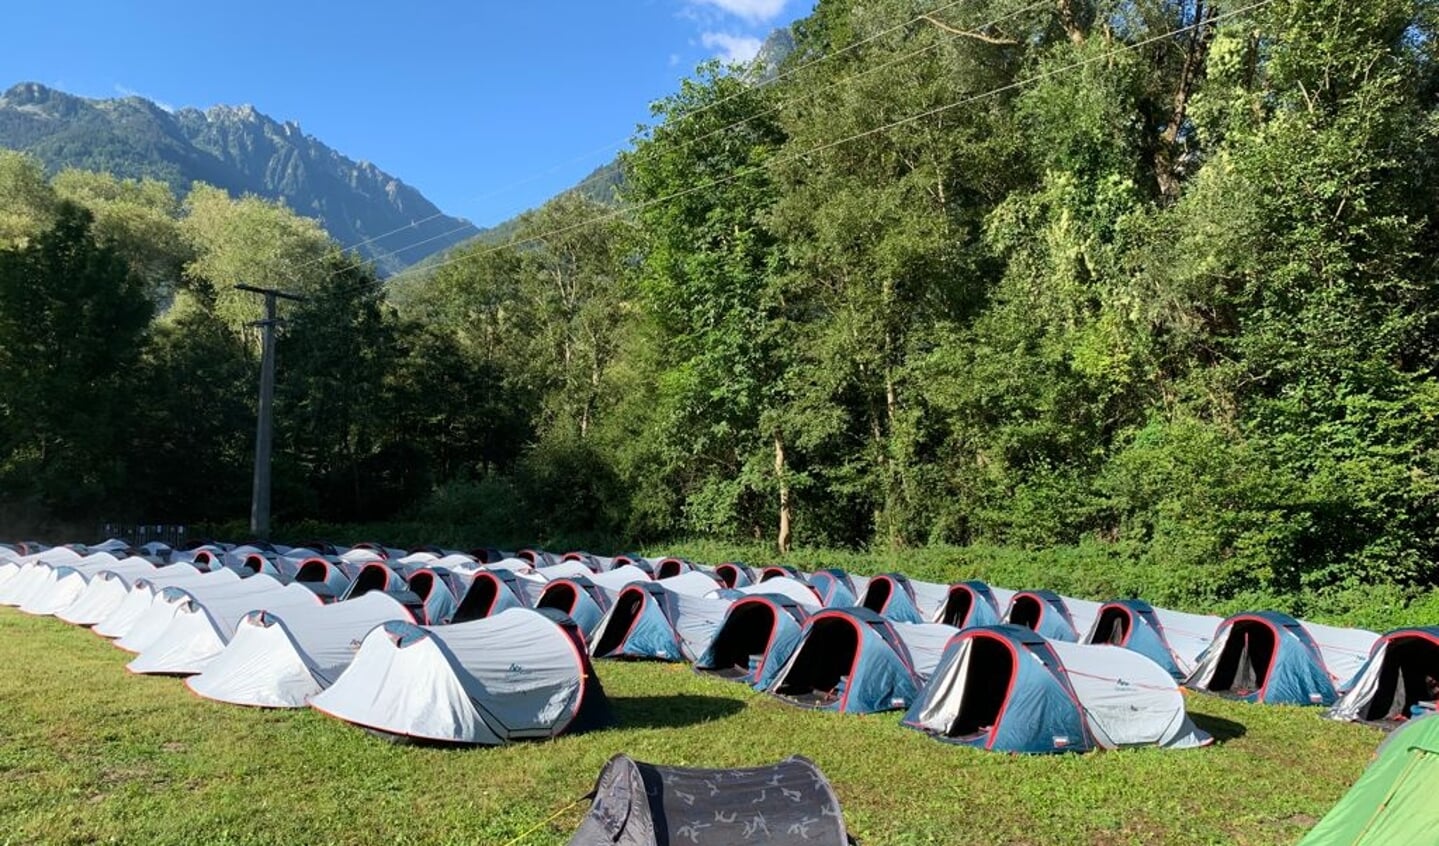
(1394, 801)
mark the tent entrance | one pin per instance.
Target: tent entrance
(820, 668)
(669, 567)
(370, 578)
(957, 607)
(1112, 627)
(1410, 666)
(479, 601)
(622, 618)
(561, 596)
(1243, 666)
(877, 596)
(988, 672)
(744, 636)
(1026, 611)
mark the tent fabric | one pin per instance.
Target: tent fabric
(520, 674)
(141, 596)
(71, 584)
(1006, 688)
(493, 591)
(32, 571)
(785, 804)
(794, 589)
(1082, 614)
(1132, 624)
(1402, 670)
(327, 577)
(735, 575)
(1188, 635)
(105, 590)
(282, 659)
(49, 594)
(1393, 801)
(1344, 650)
(849, 660)
(756, 638)
(669, 567)
(893, 595)
(968, 604)
(647, 620)
(775, 571)
(1045, 612)
(438, 591)
(202, 628)
(170, 599)
(926, 643)
(564, 570)
(690, 583)
(577, 597)
(1265, 657)
(613, 581)
(834, 587)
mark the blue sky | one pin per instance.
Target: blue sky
(461, 99)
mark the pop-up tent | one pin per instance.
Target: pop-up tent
(849, 660)
(795, 589)
(537, 557)
(71, 583)
(902, 599)
(775, 571)
(329, 578)
(201, 628)
(926, 643)
(785, 804)
(60, 584)
(734, 574)
(647, 620)
(613, 581)
(521, 674)
(690, 583)
(577, 597)
(667, 567)
(493, 591)
(1188, 635)
(32, 571)
(759, 633)
(108, 588)
(593, 563)
(438, 590)
(969, 604)
(1344, 651)
(143, 591)
(281, 661)
(1043, 611)
(1005, 688)
(1393, 802)
(834, 587)
(1132, 624)
(1264, 657)
(1402, 671)
(169, 600)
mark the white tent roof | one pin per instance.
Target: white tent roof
(698, 621)
(516, 674)
(37, 598)
(785, 586)
(1128, 700)
(166, 604)
(201, 628)
(142, 593)
(564, 570)
(1083, 612)
(282, 660)
(926, 643)
(691, 583)
(105, 590)
(30, 570)
(66, 584)
(613, 581)
(1188, 635)
(1344, 650)
(929, 597)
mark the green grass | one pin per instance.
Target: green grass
(92, 754)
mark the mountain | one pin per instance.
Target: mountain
(240, 150)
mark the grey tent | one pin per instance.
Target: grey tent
(789, 803)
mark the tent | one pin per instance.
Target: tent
(1344, 650)
(1005, 688)
(785, 804)
(200, 631)
(1393, 802)
(968, 604)
(143, 591)
(647, 620)
(1402, 669)
(438, 591)
(33, 571)
(1188, 635)
(775, 571)
(71, 582)
(281, 660)
(327, 577)
(757, 637)
(105, 590)
(593, 563)
(1264, 657)
(561, 570)
(690, 583)
(277, 567)
(377, 575)
(848, 660)
(903, 600)
(493, 591)
(171, 599)
(1043, 611)
(577, 597)
(1132, 624)
(521, 674)
(834, 587)
(613, 581)
(537, 557)
(795, 589)
(734, 574)
(667, 567)
(47, 594)
(926, 643)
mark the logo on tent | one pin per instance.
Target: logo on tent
(1061, 741)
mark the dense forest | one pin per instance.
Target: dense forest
(1156, 278)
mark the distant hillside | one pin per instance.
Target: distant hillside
(238, 149)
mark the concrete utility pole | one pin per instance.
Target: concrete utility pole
(260, 495)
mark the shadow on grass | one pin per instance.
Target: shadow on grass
(1220, 729)
(676, 711)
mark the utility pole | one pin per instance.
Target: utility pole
(260, 495)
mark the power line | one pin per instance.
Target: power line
(1109, 54)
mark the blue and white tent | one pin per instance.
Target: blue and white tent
(1005, 688)
(1400, 673)
(328, 577)
(577, 597)
(757, 637)
(105, 590)
(969, 604)
(647, 620)
(795, 589)
(735, 574)
(892, 595)
(1267, 657)
(849, 660)
(493, 591)
(146, 589)
(1045, 612)
(1133, 624)
(834, 587)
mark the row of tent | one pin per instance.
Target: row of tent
(969, 663)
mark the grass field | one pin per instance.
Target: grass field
(92, 754)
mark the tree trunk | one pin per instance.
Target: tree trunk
(785, 516)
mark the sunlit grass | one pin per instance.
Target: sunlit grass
(92, 754)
